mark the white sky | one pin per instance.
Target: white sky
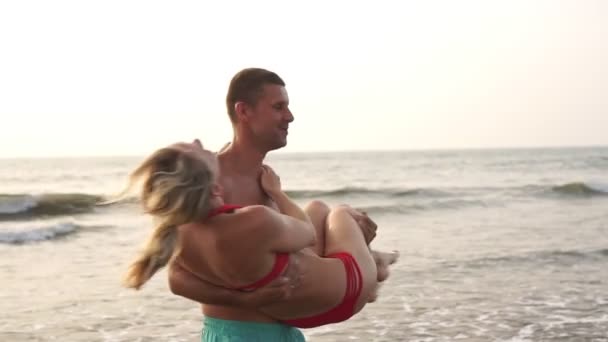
(125, 77)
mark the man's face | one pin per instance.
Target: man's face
(270, 117)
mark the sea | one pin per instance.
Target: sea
(496, 245)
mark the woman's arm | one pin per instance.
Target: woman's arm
(271, 184)
(290, 230)
(185, 284)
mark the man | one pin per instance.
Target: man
(258, 107)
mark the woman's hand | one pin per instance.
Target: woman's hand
(271, 182)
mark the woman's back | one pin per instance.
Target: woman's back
(226, 250)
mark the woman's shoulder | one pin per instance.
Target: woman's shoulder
(254, 210)
(255, 215)
(252, 225)
(258, 218)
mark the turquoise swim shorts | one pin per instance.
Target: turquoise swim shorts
(221, 330)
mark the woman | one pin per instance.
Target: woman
(246, 248)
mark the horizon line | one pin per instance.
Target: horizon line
(283, 152)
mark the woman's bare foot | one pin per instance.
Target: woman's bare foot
(373, 296)
(383, 261)
(387, 258)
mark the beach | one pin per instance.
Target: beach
(496, 245)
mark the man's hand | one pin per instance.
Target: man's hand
(183, 283)
(279, 289)
(367, 225)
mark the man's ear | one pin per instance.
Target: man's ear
(241, 109)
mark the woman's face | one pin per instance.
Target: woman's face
(197, 150)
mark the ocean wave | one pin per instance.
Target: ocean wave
(417, 207)
(27, 206)
(37, 234)
(540, 257)
(581, 189)
(351, 190)
(573, 189)
(19, 206)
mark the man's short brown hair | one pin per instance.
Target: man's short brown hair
(247, 86)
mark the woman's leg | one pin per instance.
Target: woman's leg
(318, 211)
(343, 234)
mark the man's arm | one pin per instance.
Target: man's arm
(185, 284)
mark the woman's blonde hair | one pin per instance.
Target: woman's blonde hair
(175, 189)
